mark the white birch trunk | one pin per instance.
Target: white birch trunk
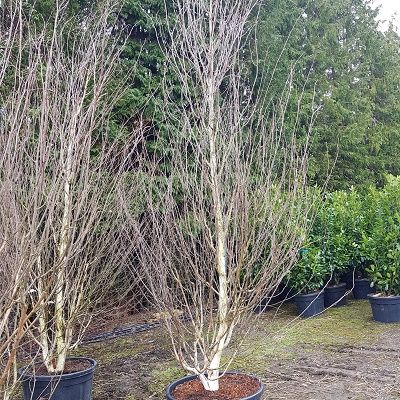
(211, 382)
(42, 321)
(60, 329)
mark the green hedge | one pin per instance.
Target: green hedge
(353, 231)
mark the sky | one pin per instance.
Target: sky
(388, 8)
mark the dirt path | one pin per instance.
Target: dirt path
(341, 355)
(338, 373)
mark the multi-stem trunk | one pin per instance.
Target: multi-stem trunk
(60, 328)
(211, 382)
(12, 337)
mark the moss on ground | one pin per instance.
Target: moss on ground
(349, 325)
(162, 375)
(284, 336)
(106, 353)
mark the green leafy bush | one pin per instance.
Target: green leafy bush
(354, 231)
(381, 244)
(336, 242)
(310, 272)
(338, 232)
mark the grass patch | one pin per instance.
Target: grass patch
(285, 337)
(107, 352)
(162, 376)
(349, 325)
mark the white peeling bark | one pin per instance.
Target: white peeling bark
(60, 329)
(211, 382)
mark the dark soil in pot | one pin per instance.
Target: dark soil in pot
(385, 309)
(309, 305)
(362, 288)
(232, 386)
(74, 384)
(72, 365)
(335, 296)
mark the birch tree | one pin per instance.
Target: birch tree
(227, 204)
(60, 170)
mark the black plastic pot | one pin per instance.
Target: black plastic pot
(263, 306)
(335, 296)
(362, 288)
(310, 304)
(385, 309)
(282, 294)
(348, 278)
(173, 385)
(73, 386)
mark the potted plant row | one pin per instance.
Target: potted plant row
(328, 264)
(356, 239)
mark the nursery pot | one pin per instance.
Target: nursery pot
(255, 396)
(348, 278)
(362, 288)
(335, 296)
(67, 386)
(310, 304)
(283, 293)
(385, 309)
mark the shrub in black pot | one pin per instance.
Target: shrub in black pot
(342, 227)
(362, 288)
(335, 289)
(385, 308)
(357, 280)
(74, 384)
(383, 248)
(335, 255)
(280, 295)
(307, 280)
(336, 295)
(310, 304)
